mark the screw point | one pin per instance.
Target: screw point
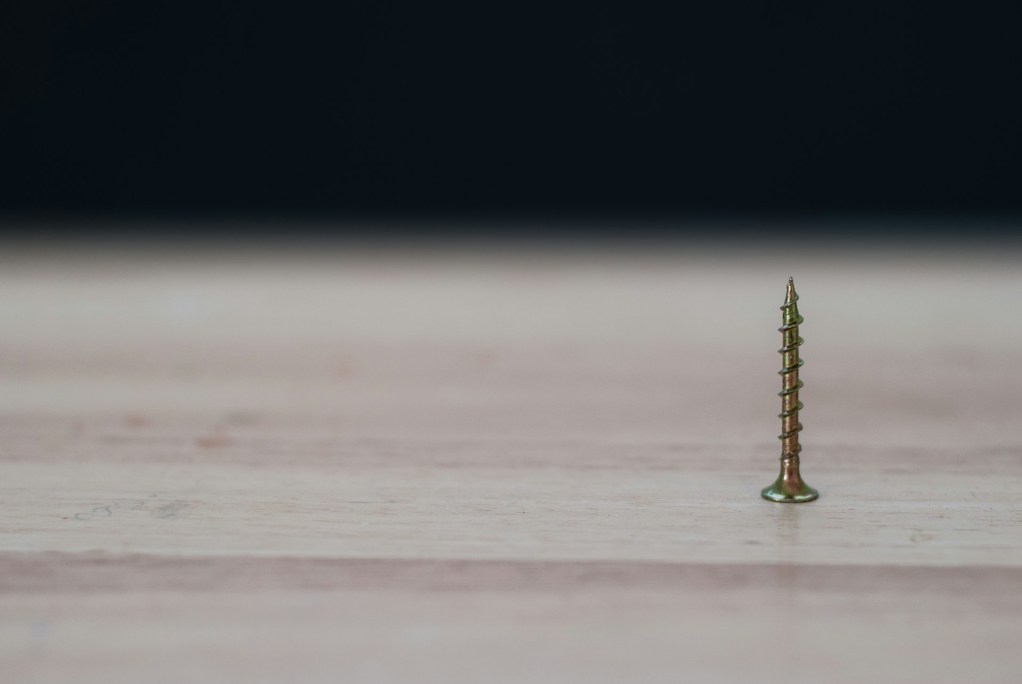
(790, 295)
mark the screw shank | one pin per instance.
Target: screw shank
(790, 382)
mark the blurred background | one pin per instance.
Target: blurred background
(405, 119)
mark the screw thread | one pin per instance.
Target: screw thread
(790, 382)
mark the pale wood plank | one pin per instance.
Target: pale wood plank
(132, 619)
(371, 466)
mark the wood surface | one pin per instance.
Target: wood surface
(377, 465)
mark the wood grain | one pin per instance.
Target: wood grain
(451, 466)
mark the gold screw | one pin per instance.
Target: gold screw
(789, 487)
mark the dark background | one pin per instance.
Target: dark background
(417, 111)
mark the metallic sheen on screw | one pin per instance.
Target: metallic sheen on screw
(789, 487)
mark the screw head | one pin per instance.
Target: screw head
(782, 493)
(789, 486)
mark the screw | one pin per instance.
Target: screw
(789, 487)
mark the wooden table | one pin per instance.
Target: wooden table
(364, 465)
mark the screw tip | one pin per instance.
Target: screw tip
(790, 295)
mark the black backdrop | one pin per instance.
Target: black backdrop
(427, 110)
